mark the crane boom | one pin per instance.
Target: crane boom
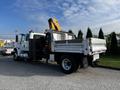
(54, 25)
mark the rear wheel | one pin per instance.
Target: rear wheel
(68, 64)
(84, 63)
(94, 64)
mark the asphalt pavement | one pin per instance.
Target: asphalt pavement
(42, 76)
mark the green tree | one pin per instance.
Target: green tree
(108, 43)
(80, 35)
(101, 34)
(113, 44)
(70, 31)
(89, 33)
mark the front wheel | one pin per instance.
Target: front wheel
(68, 64)
(15, 56)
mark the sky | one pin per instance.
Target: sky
(24, 15)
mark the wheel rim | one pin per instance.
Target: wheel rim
(66, 64)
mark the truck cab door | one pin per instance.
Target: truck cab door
(24, 42)
(36, 46)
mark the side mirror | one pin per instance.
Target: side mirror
(16, 38)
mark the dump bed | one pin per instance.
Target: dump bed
(89, 46)
(71, 46)
(97, 45)
(66, 42)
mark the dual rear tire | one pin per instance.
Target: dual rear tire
(68, 64)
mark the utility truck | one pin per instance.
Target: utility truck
(59, 46)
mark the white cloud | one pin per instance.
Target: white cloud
(113, 26)
(73, 14)
(28, 4)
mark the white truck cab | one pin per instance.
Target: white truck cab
(24, 44)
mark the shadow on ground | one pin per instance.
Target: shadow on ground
(20, 68)
(8, 67)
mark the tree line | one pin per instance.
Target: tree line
(111, 39)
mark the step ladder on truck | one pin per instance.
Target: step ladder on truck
(62, 47)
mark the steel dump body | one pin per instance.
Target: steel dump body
(98, 45)
(90, 46)
(72, 46)
(66, 42)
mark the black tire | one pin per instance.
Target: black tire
(94, 64)
(15, 56)
(84, 63)
(3, 54)
(28, 60)
(68, 64)
(91, 62)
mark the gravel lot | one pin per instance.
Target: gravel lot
(39, 76)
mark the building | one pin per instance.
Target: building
(1, 43)
(4, 41)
